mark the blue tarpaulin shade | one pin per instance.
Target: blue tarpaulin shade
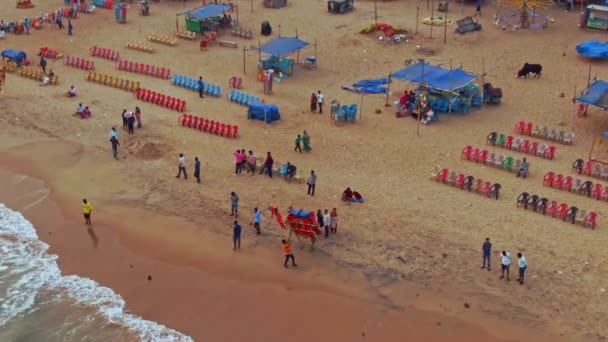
(283, 46)
(373, 86)
(596, 95)
(205, 12)
(434, 76)
(593, 48)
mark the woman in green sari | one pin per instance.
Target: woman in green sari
(306, 141)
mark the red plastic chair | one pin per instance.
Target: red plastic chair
(551, 208)
(557, 181)
(161, 100)
(149, 95)
(519, 127)
(211, 127)
(146, 69)
(216, 129)
(588, 168)
(459, 181)
(235, 131)
(550, 152)
(485, 188)
(566, 183)
(136, 68)
(508, 141)
(597, 191)
(561, 210)
(205, 125)
(189, 121)
(482, 156)
(528, 128)
(194, 122)
(183, 119)
(465, 153)
(533, 148)
(229, 131)
(442, 175)
(524, 146)
(203, 45)
(548, 179)
(474, 154)
(591, 219)
(181, 106)
(222, 129)
(138, 93)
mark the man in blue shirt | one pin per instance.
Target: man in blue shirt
(113, 133)
(487, 251)
(197, 170)
(523, 168)
(236, 236)
(523, 265)
(257, 218)
(201, 87)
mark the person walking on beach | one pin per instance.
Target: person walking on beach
(70, 27)
(257, 218)
(181, 166)
(333, 222)
(313, 103)
(506, 264)
(113, 133)
(236, 236)
(251, 162)
(243, 160)
(320, 100)
(234, 204)
(267, 167)
(306, 141)
(138, 116)
(43, 64)
(523, 265)
(201, 87)
(115, 145)
(326, 222)
(197, 169)
(87, 208)
(124, 119)
(312, 183)
(131, 122)
(486, 249)
(298, 144)
(288, 254)
(238, 159)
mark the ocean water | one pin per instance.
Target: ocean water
(37, 303)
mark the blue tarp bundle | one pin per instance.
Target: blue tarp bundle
(283, 46)
(593, 48)
(14, 55)
(300, 213)
(207, 11)
(369, 86)
(262, 111)
(596, 95)
(434, 76)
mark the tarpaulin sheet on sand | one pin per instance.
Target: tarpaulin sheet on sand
(593, 48)
(282, 46)
(205, 12)
(596, 95)
(434, 76)
(373, 86)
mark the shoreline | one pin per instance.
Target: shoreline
(105, 261)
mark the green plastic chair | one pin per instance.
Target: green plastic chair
(500, 141)
(507, 164)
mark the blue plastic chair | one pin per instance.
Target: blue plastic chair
(174, 79)
(206, 88)
(283, 170)
(239, 97)
(352, 112)
(219, 90)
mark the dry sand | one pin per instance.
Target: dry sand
(414, 243)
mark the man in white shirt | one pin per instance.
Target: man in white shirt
(326, 222)
(182, 166)
(505, 258)
(523, 265)
(320, 101)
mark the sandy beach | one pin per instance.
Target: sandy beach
(402, 264)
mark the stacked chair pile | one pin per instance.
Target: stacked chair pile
(209, 126)
(590, 168)
(235, 82)
(35, 73)
(160, 99)
(344, 113)
(139, 46)
(112, 81)
(533, 148)
(110, 54)
(145, 69)
(78, 62)
(486, 157)
(562, 211)
(185, 34)
(545, 133)
(49, 53)
(162, 39)
(192, 84)
(576, 185)
(242, 98)
(464, 182)
(9, 66)
(241, 32)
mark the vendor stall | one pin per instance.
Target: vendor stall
(278, 49)
(596, 17)
(204, 19)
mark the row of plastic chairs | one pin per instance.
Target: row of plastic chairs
(144, 69)
(160, 99)
(553, 208)
(468, 183)
(209, 126)
(486, 157)
(590, 168)
(36, 73)
(242, 98)
(576, 185)
(78, 62)
(112, 81)
(546, 133)
(105, 53)
(346, 113)
(521, 145)
(192, 84)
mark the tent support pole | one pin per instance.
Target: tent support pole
(251, 6)
(177, 23)
(237, 15)
(376, 11)
(259, 52)
(361, 110)
(388, 89)
(417, 16)
(573, 107)
(419, 107)
(432, 15)
(589, 77)
(483, 77)
(316, 58)
(445, 27)
(244, 63)
(450, 102)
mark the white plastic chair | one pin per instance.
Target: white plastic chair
(541, 149)
(499, 159)
(569, 138)
(516, 142)
(577, 183)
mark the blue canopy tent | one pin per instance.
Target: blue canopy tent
(596, 95)
(278, 48)
(593, 49)
(367, 87)
(195, 16)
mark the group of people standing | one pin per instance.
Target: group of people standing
(303, 139)
(328, 221)
(129, 119)
(317, 99)
(505, 262)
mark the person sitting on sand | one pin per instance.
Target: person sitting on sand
(357, 198)
(80, 109)
(347, 195)
(291, 171)
(46, 79)
(86, 114)
(71, 92)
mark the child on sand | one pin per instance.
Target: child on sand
(298, 144)
(288, 254)
(87, 208)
